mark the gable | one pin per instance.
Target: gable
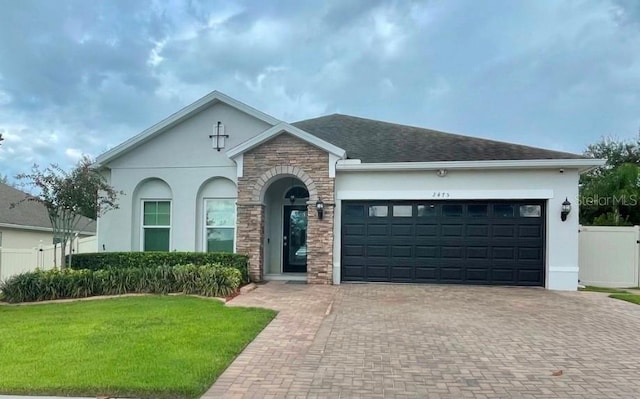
(285, 128)
(199, 117)
(187, 144)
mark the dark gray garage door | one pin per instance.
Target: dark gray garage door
(470, 242)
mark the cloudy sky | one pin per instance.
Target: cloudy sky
(82, 76)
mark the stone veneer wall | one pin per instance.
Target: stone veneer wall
(285, 156)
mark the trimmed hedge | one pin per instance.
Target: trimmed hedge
(125, 260)
(206, 280)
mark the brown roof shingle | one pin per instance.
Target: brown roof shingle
(374, 141)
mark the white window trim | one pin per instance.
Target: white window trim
(205, 226)
(142, 226)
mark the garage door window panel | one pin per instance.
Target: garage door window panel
(402, 211)
(354, 211)
(530, 211)
(378, 211)
(478, 210)
(452, 210)
(428, 210)
(503, 210)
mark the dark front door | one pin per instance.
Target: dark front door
(464, 242)
(294, 240)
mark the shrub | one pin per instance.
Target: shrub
(125, 260)
(206, 280)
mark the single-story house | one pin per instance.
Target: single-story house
(345, 199)
(26, 225)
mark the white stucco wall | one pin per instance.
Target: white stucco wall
(184, 159)
(549, 184)
(188, 144)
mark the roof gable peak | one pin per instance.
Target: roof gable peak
(178, 117)
(281, 128)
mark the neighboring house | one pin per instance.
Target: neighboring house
(399, 203)
(27, 225)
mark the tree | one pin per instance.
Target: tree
(609, 194)
(68, 196)
(1, 138)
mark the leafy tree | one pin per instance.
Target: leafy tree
(69, 195)
(609, 195)
(616, 152)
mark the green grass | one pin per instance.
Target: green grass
(150, 346)
(627, 297)
(615, 293)
(603, 289)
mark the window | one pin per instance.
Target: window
(220, 224)
(402, 210)
(452, 210)
(426, 210)
(478, 210)
(379, 211)
(156, 225)
(354, 211)
(530, 211)
(503, 210)
(297, 192)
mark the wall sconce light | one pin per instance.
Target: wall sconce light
(566, 209)
(320, 208)
(441, 172)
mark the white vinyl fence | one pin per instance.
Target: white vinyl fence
(609, 256)
(16, 261)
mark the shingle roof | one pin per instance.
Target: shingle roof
(374, 141)
(29, 213)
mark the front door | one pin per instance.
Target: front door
(294, 239)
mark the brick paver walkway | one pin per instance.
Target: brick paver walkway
(400, 341)
(270, 366)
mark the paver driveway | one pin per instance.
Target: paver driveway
(437, 342)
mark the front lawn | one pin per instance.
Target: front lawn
(148, 346)
(627, 297)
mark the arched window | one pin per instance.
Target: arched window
(218, 218)
(297, 192)
(154, 198)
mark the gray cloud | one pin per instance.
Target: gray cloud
(82, 76)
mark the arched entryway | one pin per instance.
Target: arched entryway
(285, 232)
(267, 174)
